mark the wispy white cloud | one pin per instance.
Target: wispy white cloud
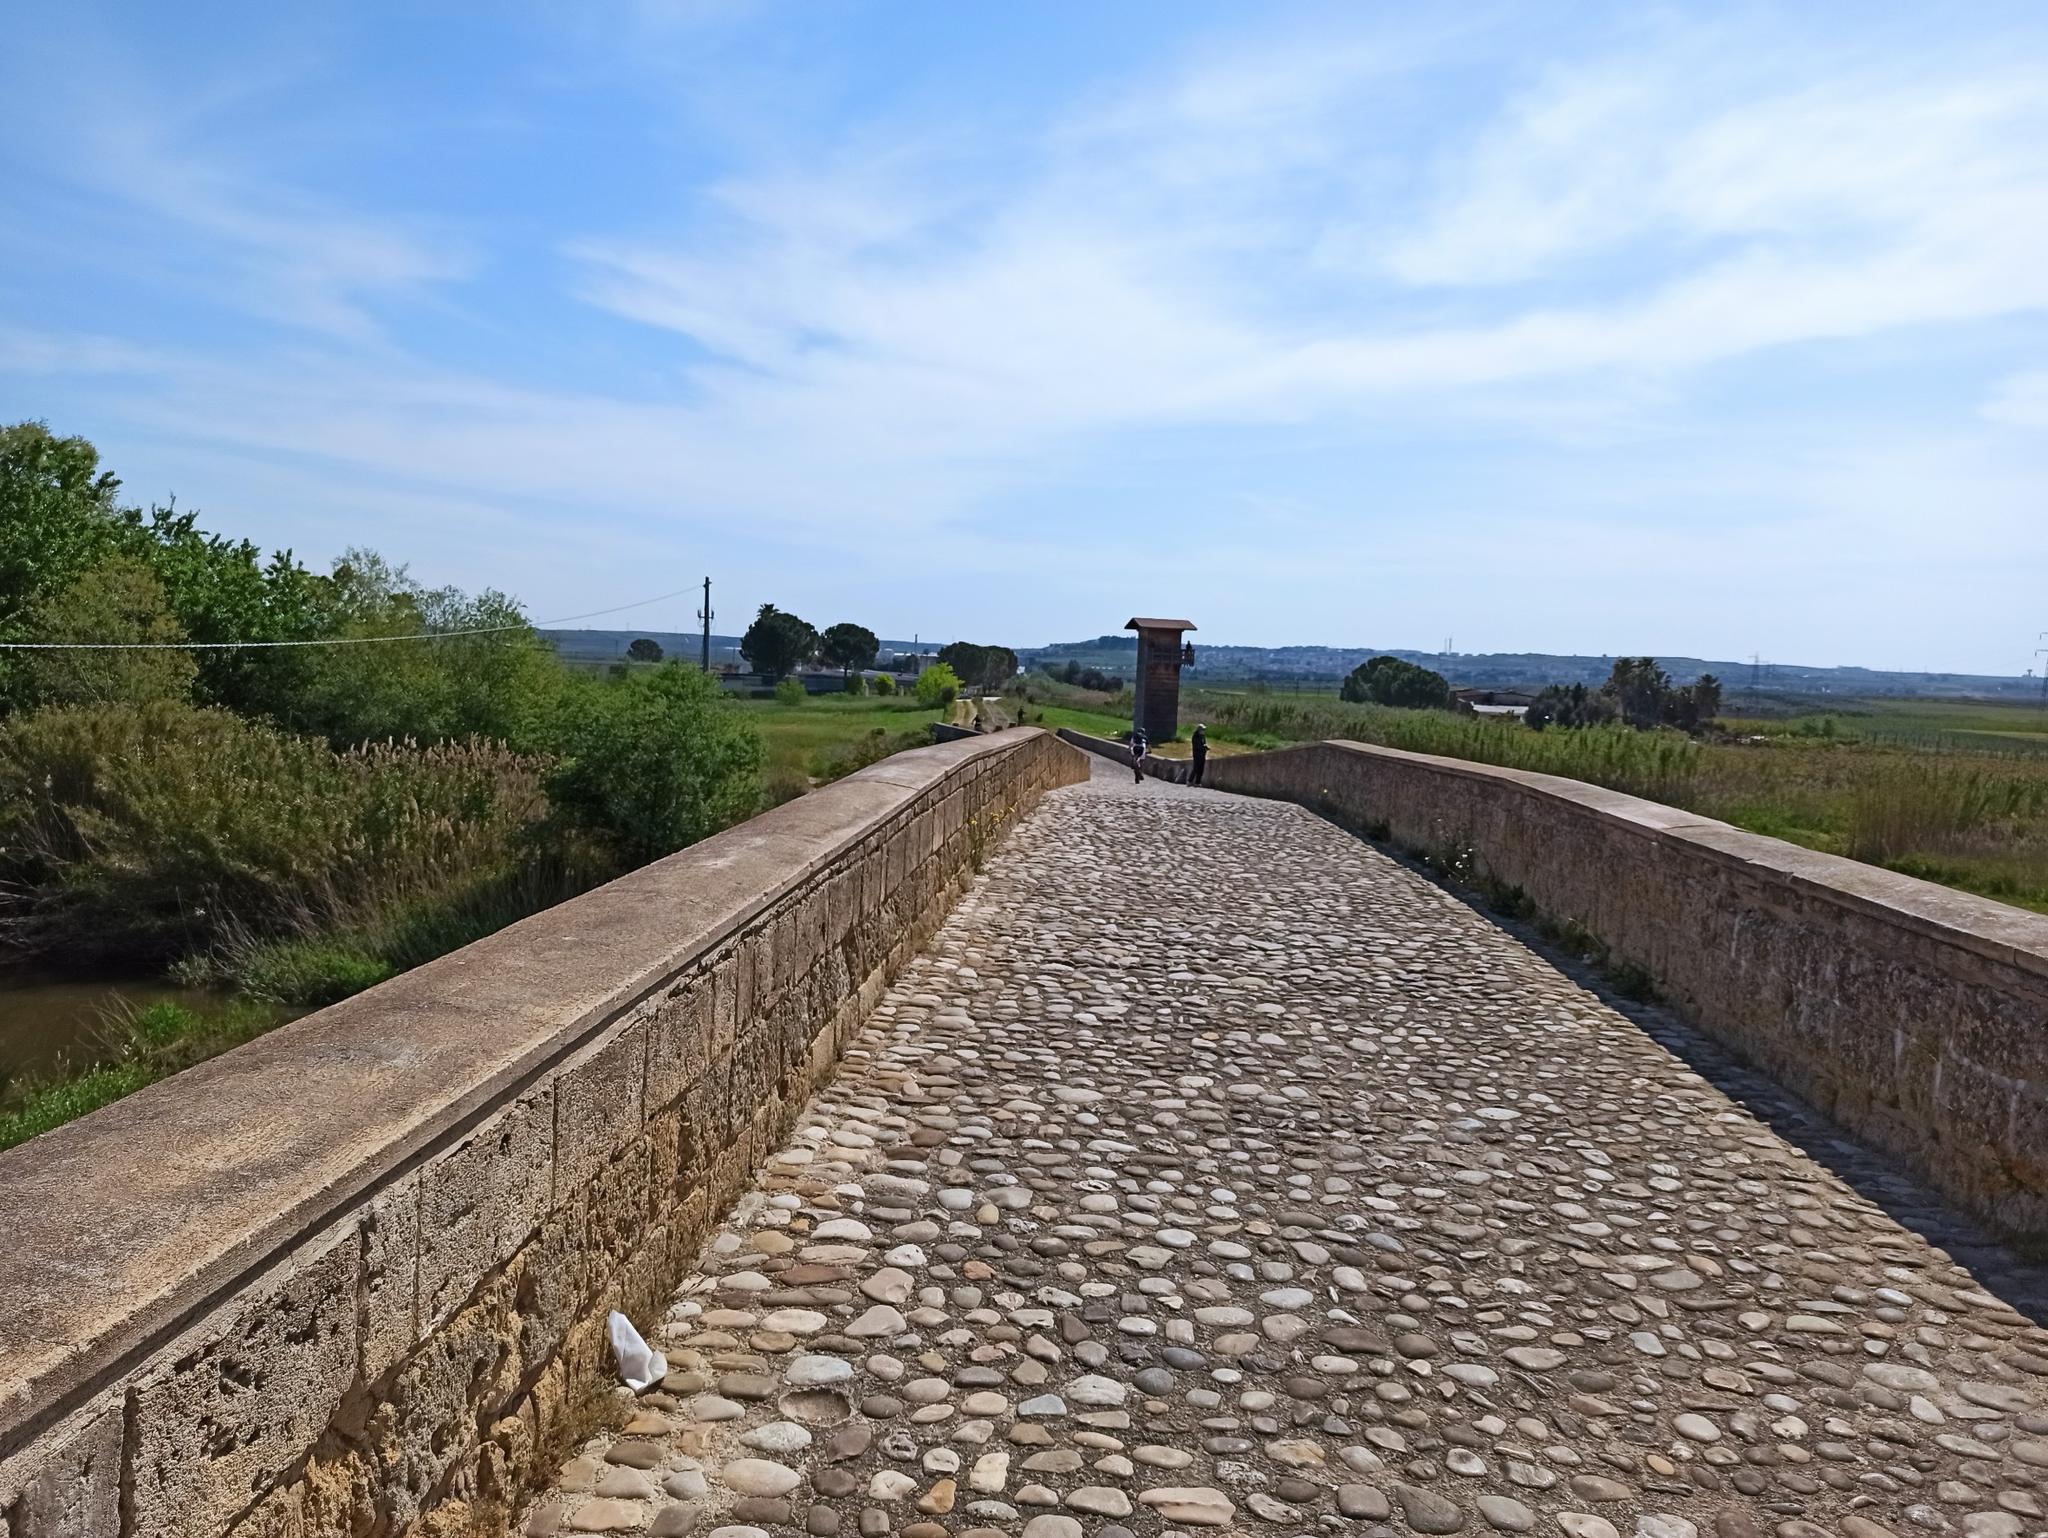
(286, 256)
(1134, 271)
(169, 183)
(1266, 271)
(2020, 400)
(32, 352)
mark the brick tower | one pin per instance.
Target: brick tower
(1160, 655)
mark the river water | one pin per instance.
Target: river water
(47, 1021)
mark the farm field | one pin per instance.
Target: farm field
(1968, 725)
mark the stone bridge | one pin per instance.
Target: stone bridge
(997, 1147)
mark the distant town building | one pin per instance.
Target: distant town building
(1514, 697)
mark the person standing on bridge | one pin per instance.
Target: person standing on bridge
(1138, 746)
(1200, 744)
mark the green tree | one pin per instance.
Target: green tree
(982, 667)
(645, 650)
(1705, 702)
(777, 643)
(222, 590)
(655, 762)
(118, 602)
(966, 659)
(58, 518)
(393, 680)
(849, 647)
(856, 685)
(790, 691)
(937, 686)
(884, 683)
(998, 667)
(1390, 681)
(1640, 689)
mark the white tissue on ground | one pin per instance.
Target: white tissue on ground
(639, 1363)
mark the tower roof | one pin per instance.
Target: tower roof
(1159, 624)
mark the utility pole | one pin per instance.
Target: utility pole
(704, 614)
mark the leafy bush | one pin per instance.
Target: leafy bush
(654, 763)
(856, 685)
(884, 684)
(790, 692)
(937, 686)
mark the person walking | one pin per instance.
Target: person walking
(1200, 744)
(1138, 747)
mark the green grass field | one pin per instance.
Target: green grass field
(1943, 725)
(829, 736)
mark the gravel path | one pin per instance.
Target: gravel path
(1214, 1171)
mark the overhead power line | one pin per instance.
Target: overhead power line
(358, 640)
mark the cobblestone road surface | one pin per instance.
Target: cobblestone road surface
(1213, 1171)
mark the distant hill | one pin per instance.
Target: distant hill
(1328, 664)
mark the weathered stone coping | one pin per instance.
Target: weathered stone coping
(129, 1230)
(1914, 1014)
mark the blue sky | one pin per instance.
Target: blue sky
(1567, 328)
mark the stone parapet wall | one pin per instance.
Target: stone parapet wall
(1913, 1015)
(352, 1277)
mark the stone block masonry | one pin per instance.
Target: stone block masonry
(352, 1278)
(1913, 1015)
